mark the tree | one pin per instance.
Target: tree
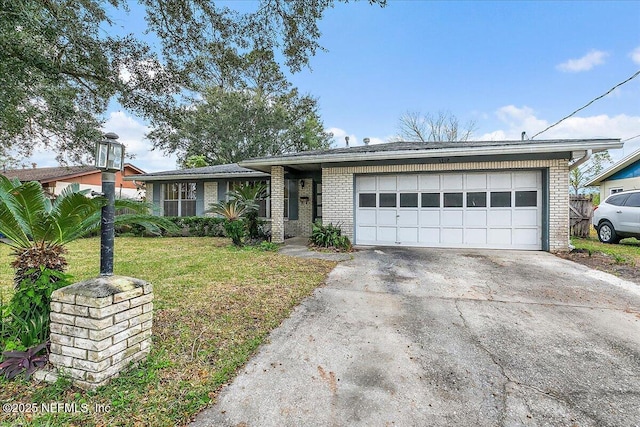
(63, 61)
(440, 127)
(580, 176)
(37, 229)
(195, 161)
(228, 126)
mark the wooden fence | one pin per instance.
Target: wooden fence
(580, 213)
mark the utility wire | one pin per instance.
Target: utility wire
(589, 103)
(629, 139)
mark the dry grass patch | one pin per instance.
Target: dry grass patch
(214, 306)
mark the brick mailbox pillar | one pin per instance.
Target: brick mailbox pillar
(100, 326)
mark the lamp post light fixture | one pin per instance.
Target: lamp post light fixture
(109, 159)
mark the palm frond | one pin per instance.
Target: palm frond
(20, 210)
(68, 213)
(231, 210)
(152, 224)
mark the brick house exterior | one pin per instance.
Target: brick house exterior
(481, 194)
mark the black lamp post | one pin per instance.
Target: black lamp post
(109, 159)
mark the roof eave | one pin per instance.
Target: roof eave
(554, 147)
(183, 177)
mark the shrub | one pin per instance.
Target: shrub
(329, 236)
(27, 316)
(236, 230)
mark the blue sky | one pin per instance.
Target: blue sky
(508, 66)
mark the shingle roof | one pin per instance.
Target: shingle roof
(217, 171)
(49, 174)
(421, 146)
(57, 173)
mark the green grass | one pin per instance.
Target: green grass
(214, 305)
(626, 252)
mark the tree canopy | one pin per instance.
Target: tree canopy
(229, 126)
(63, 61)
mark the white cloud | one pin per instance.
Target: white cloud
(587, 62)
(131, 133)
(635, 55)
(519, 119)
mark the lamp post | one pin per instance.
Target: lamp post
(109, 159)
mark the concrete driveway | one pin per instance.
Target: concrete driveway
(435, 337)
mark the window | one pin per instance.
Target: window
(526, 198)
(367, 200)
(477, 200)
(616, 190)
(408, 200)
(179, 199)
(617, 200)
(387, 200)
(430, 200)
(633, 200)
(318, 200)
(286, 198)
(452, 200)
(500, 199)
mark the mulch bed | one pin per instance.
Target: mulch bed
(603, 262)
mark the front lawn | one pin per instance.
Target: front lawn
(214, 305)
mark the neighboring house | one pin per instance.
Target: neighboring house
(482, 194)
(56, 179)
(621, 176)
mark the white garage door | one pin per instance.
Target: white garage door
(501, 210)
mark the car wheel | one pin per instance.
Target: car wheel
(606, 233)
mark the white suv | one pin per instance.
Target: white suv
(618, 217)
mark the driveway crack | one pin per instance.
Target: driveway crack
(493, 358)
(509, 380)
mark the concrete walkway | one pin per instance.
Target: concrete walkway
(426, 337)
(298, 247)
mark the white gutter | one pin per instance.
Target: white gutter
(466, 151)
(581, 160)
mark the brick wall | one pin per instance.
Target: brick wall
(338, 188)
(99, 327)
(277, 204)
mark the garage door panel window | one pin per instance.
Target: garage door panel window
(452, 200)
(367, 200)
(526, 199)
(430, 200)
(477, 199)
(408, 200)
(387, 200)
(501, 199)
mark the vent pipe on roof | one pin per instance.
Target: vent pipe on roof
(34, 165)
(346, 140)
(366, 141)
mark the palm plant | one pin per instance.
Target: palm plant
(232, 211)
(248, 196)
(37, 229)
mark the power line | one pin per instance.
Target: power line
(589, 103)
(629, 139)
